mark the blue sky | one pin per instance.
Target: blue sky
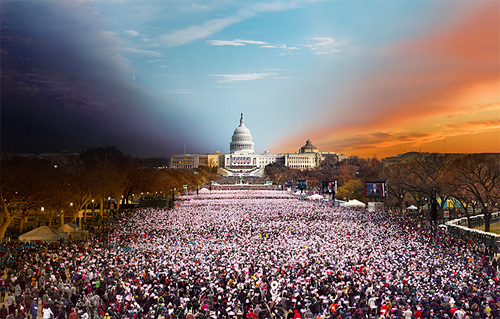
(152, 76)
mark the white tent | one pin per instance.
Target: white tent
(412, 207)
(203, 190)
(43, 233)
(68, 228)
(354, 203)
(315, 197)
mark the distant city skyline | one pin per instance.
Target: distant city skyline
(366, 78)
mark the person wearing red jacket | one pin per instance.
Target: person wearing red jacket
(296, 314)
(384, 310)
(251, 314)
(418, 313)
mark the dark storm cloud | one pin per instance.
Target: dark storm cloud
(66, 87)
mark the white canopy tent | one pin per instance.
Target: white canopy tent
(43, 233)
(315, 197)
(204, 189)
(412, 207)
(354, 203)
(68, 228)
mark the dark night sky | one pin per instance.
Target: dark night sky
(63, 87)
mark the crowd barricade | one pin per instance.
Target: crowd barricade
(244, 187)
(459, 228)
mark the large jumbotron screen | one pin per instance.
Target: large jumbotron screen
(328, 187)
(375, 189)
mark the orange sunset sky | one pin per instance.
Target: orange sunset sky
(436, 92)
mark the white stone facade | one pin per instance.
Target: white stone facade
(242, 159)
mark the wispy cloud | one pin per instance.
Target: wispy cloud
(143, 52)
(197, 32)
(132, 33)
(281, 46)
(236, 42)
(284, 49)
(206, 29)
(473, 126)
(475, 110)
(328, 45)
(198, 7)
(244, 77)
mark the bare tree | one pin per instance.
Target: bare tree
(396, 174)
(22, 188)
(478, 175)
(428, 175)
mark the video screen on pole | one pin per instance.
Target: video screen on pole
(302, 184)
(375, 190)
(328, 187)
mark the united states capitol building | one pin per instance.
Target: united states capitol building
(242, 160)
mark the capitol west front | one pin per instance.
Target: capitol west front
(242, 160)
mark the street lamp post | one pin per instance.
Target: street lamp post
(61, 215)
(93, 212)
(42, 209)
(109, 208)
(401, 202)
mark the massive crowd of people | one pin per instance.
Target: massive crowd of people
(257, 255)
(231, 180)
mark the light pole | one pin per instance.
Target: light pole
(401, 202)
(93, 213)
(109, 208)
(196, 178)
(42, 209)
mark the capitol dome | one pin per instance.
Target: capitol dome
(241, 142)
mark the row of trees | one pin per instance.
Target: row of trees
(472, 180)
(67, 184)
(329, 169)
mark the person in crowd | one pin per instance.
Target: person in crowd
(3, 312)
(47, 312)
(34, 309)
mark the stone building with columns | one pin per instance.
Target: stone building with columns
(242, 160)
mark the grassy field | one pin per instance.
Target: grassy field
(494, 228)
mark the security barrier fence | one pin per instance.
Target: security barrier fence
(460, 229)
